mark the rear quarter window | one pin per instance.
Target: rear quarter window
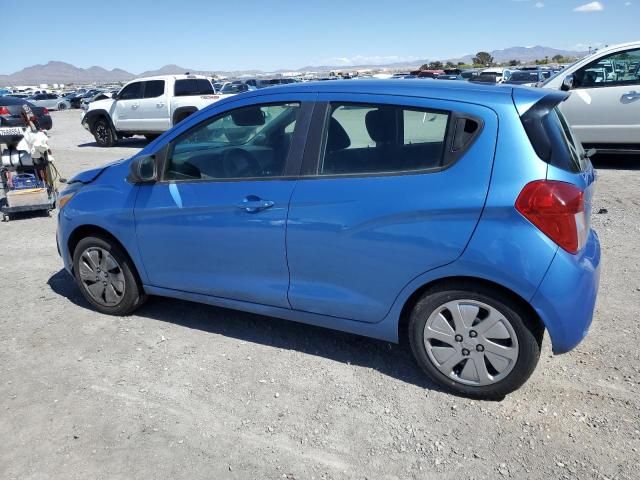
(193, 86)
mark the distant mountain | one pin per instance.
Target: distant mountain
(523, 54)
(166, 70)
(60, 72)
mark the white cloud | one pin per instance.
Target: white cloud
(627, 4)
(539, 5)
(367, 60)
(589, 7)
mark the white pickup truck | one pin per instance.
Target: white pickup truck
(148, 106)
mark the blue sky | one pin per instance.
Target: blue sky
(138, 35)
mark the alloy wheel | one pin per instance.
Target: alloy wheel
(471, 342)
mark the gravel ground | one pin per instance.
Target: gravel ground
(181, 390)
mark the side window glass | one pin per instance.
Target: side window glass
(363, 139)
(153, 88)
(249, 142)
(621, 68)
(131, 91)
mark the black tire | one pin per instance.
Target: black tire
(103, 133)
(151, 136)
(133, 295)
(527, 330)
(62, 106)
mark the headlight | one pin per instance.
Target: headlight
(68, 193)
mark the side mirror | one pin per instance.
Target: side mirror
(114, 95)
(567, 83)
(143, 169)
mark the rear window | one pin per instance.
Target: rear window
(370, 139)
(193, 86)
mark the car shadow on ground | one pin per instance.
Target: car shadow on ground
(389, 359)
(616, 162)
(136, 142)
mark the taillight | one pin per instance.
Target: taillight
(4, 111)
(45, 111)
(557, 209)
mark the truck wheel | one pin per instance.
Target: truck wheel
(103, 134)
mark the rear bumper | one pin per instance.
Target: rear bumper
(44, 121)
(566, 297)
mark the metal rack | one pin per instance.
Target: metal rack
(27, 183)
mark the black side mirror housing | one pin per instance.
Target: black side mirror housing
(143, 169)
(114, 95)
(567, 83)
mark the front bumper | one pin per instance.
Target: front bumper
(566, 297)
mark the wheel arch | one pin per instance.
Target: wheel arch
(181, 113)
(464, 282)
(92, 116)
(87, 230)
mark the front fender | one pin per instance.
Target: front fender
(88, 208)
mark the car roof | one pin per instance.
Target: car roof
(166, 77)
(442, 89)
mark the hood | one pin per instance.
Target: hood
(101, 104)
(89, 176)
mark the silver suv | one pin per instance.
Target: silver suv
(604, 107)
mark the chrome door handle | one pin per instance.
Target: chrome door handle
(252, 204)
(134, 106)
(159, 104)
(631, 95)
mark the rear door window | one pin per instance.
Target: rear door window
(374, 139)
(193, 86)
(153, 88)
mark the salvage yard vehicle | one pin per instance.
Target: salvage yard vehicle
(148, 106)
(389, 209)
(11, 113)
(604, 106)
(50, 101)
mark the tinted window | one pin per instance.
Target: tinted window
(250, 142)
(153, 88)
(130, 92)
(551, 136)
(193, 86)
(382, 138)
(621, 68)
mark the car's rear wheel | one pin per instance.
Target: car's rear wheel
(475, 341)
(106, 276)
(103, 133)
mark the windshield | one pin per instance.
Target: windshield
(524, 76)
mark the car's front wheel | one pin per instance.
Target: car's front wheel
(103, 133)
(475, 341)
(62, 106)
(106, 276)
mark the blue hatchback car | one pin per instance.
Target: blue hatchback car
(456, 215)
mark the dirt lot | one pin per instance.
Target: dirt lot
(189, 391)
